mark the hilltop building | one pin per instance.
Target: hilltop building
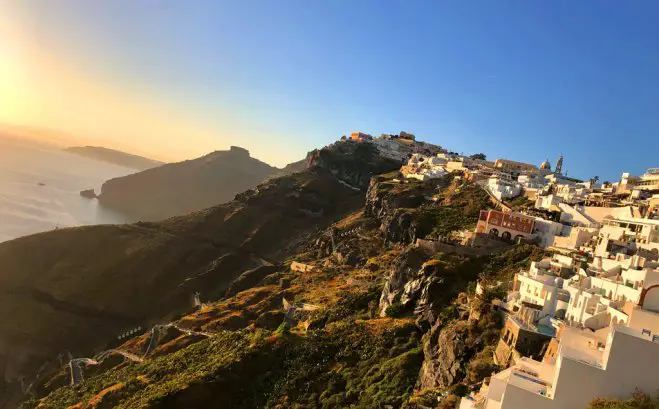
(559, 166)
(620, 234)
(649, 180)
(360, 137)
(545, 165)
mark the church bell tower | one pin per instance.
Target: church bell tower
(559, 166)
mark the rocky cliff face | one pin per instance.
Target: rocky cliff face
(353, 163)
(451, 349)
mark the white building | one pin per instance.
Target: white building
(502, 186)
(576, 216)
(649, 180)
(627, 234)
(424, 167)
(602, 297)
(542, 286)
(548, 202)
(612, 362)
(426, 174)
(546, 231)
(575, 238)
(532, 181)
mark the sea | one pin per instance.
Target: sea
(40, 189)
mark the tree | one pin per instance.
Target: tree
(480, 156)
(639, 400)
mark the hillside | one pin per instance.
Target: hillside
(115, 157)
(367, 320)
(88, 284)
(180, 188)
(377, 322)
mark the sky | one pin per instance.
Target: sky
(524, 80)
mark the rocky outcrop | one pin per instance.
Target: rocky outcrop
(88, 194)
(250, 278)
(352, 163)
(450, 349)
(396, 206)
(445, 350)
(404, 282)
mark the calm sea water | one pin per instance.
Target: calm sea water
(26, 207)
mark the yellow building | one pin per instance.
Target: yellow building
(510, 165)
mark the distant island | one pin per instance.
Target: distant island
(179, 188)
(115, 157)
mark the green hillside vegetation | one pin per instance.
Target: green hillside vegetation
(639, 400)
(335, 350)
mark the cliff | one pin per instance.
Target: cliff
(115, 157)
(180, 188)
(370, 321)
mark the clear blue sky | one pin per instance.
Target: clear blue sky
(525, 80)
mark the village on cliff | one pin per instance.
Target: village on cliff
(582, 323)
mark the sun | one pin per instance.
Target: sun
(12, 82)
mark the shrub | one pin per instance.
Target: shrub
(394, 310)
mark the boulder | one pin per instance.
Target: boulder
(88, 194)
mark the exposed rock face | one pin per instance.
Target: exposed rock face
(405, 281)
(250, 278)
(393, 209)
(88, 194)
(445, 352)
(353, 163)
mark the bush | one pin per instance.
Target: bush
(394, 310)
(639, 400)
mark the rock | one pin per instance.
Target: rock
(404, 272)
(351, 163)
(284, 283)
(270, 320)
(88, 194)
(250, 278)
(445, 351)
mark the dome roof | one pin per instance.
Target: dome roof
(545, 165)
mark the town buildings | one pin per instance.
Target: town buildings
(503, 186)
(360, 137)
(648, 181)
(507, 225)
(627, 235)
(513, 166)
(581, 366)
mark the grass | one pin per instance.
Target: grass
(150, 382)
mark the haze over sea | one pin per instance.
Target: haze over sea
(26, 207)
